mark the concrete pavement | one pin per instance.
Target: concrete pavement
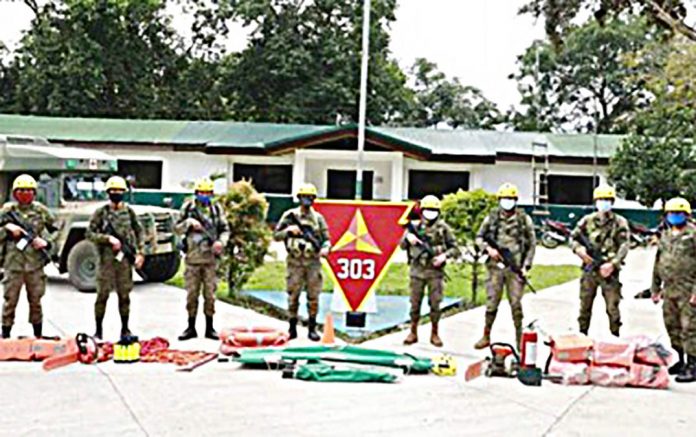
(152, 399)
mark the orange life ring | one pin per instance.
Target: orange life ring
(241, 336)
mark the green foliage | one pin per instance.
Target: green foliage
(586, 83)
(250, 236)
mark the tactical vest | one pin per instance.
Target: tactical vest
(298, 247)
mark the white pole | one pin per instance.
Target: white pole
(363, 97)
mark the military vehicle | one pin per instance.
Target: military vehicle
(71, 183)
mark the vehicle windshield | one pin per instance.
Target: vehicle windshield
(79, 187)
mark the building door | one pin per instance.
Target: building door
(341, 184)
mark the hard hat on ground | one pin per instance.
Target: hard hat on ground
(430, 202)
(24, 182)
(116, 183)
(508, 190)
(678, 204)
(444, 365)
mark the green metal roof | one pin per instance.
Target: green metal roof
(267, 136)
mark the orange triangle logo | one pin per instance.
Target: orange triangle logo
(357, 237)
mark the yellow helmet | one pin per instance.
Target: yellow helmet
(24, 182)
(116, 183)
(678, 204)
(444, 365)
(430, 202)
(205, 185)
(508, 190)
(604, 192)
(307, 190)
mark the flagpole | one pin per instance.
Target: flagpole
(363, 98)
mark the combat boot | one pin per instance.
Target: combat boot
(485, 341)
(6, 331)
(190, 331)
(209, 330)
(676, 369)
(38, 328)
(434, 338)
(125, 332)
(312, 335)
(688, 373)
(293, 328)
(413, 335)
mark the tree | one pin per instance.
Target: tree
(439, 100)
(559, 14)
(464, 211)
(587, 83)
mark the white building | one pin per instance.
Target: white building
(400, 163)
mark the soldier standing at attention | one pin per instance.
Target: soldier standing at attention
(306, 237)
(114, 228)
(511, 228)
(429, 245)
(674, 281)
(26, 252)
(205, 229)
(606, 235)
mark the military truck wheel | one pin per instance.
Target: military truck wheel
(82, 266)
(160, 268)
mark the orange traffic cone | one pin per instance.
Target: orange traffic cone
(328, 336)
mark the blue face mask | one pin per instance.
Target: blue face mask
(203, 198)
(306, 201)
(676, 218)
(603, 205)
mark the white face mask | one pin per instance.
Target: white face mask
(603, 205)
(507, 204)
(430, 214)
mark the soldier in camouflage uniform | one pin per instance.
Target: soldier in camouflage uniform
(674, 280)
(430, 244)
(513, 230)
(115, 271)
(607, 234)
(206, 232)
(25, 260)
(304, 256)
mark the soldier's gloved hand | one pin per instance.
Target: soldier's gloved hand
(15, 230)
(606, 270)
(324, 252)
(139, 260)
(39, 243)
(217, 248)
(492, 253)
(293, 230)
(439, 260)
(656, 297)
(195, 224)
(692, 300)
(115, 243)
(412, 239)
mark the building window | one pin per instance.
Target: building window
(570, 190)
(439, 183)
(275, 179)
(341, 184)
(147, 174)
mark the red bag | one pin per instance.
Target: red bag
(571, 373)
(649, 376)
(613, 352)
(649, 351)
(609, 376)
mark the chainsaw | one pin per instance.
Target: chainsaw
(503, 362)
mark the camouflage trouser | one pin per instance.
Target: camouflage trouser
(419, 279)
(35, 284)
(680, 320)
(113, 275)
(300, 276)
(499, 279)
(611, 290)
(200, 279)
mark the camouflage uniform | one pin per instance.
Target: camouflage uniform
(303, 260)
(25, 267)
(515, 232)
(201, 262)
(675, 276)
(422, 273)
(112, 274)
(609, 235)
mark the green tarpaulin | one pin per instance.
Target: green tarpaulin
(322, 372)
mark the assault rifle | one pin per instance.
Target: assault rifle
(425, 246)
(307, 232)
(28, 237)
(597, 258)
(508, 260)
(127, 250)
(208, 230)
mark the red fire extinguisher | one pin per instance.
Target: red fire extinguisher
(528, 349)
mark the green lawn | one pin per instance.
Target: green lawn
(271, 276)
